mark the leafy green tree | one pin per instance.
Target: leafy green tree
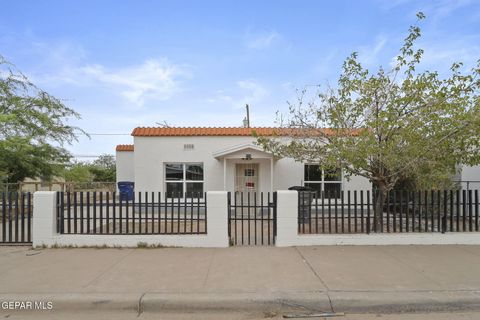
(388, 125)
(83, 175)
(78, 173)
(20, 159)
(33, 128)
(104, 168)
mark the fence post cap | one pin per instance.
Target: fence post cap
(217, 192)
(287, 191)
(45, 192)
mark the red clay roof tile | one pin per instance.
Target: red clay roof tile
(124, 147)
(214, 131)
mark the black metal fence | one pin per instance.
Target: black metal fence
(402, 211)
(16, 218)
(252, 218)
(145, 213)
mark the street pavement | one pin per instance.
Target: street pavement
(105, 315)
(245, 282)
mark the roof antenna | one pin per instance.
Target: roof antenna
(246, 120)
(163, 124)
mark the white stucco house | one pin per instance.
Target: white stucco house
(203, 159)
(199, 159)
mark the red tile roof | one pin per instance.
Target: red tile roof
(124, 147)
(209, 131)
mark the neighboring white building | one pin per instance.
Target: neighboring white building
(124, 162)
(469, 177)
(209, 159)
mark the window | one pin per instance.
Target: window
(184, 179)
(327, 180)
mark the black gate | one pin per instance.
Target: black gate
(252, 218)
(16, 218)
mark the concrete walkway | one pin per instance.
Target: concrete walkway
(307, 279)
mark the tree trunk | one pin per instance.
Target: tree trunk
(379, 201)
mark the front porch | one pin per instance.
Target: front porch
(246, 168)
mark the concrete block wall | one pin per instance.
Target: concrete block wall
(44, 228)
(287, 232)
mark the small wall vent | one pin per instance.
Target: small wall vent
(188, 147)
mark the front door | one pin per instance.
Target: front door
(246, 178)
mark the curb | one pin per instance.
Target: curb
(305, 302)
(405, 301)
(266, 302)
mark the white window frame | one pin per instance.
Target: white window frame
(323, 181)
(184, 181)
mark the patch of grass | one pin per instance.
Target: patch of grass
(158, 245)
(74, 246)
(58, 246)
(103, 246)
(142, 245)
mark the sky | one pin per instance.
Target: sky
(123, 64)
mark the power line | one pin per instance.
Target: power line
(87, 155)
(108, 134)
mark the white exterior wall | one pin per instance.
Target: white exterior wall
(125, 166)
(471, 173)
(151, 154)
(288, 172)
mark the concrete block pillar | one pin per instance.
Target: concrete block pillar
(44, 218)
(217, 218)
(287, 218)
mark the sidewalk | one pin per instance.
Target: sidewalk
(338, 278)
